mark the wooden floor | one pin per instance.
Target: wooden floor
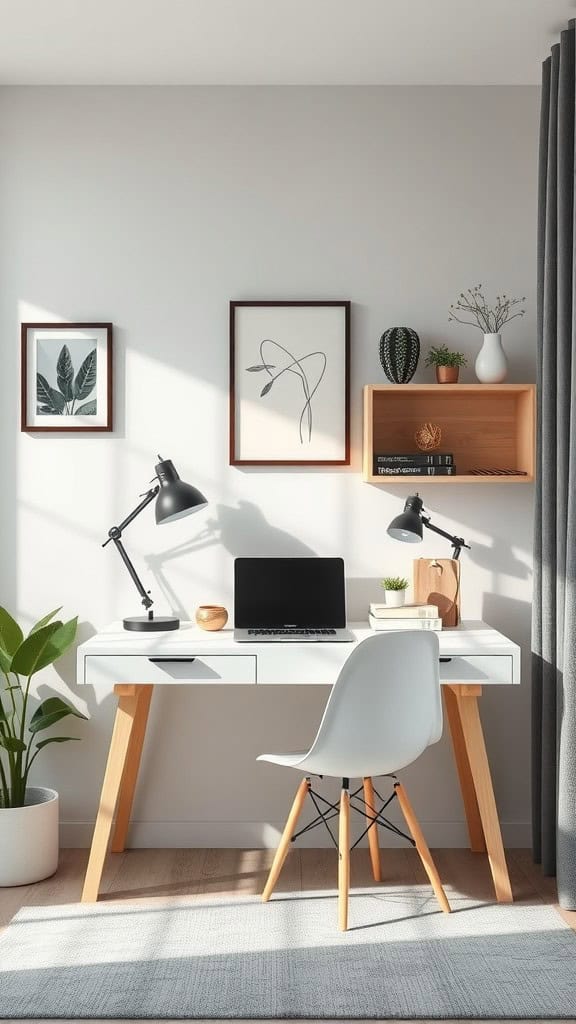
(150, 874)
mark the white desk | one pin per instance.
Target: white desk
(133, 663)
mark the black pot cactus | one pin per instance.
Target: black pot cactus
(399, 354)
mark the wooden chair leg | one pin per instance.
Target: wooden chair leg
(421, 846)
(284, 845)
(343, 860)
(370, 802)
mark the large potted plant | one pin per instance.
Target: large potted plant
(28, 815)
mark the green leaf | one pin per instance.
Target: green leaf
(12, 744)
(88, 409)
(11, 635)
(58, 643)
(55, 739)
(86, 376)
(58, 401)
(65, 373)
(44, 620)
(50, 712)
(43, 395)
(27, 657)
(5, 660)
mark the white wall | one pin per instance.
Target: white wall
(152, 208)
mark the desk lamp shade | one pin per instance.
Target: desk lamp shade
(176, 498)
(408, 526)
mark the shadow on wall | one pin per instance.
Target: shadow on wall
(360, 593)
(498, 555)
(497, 609)
(241, 530)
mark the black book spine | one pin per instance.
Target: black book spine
(417, 459)
(415, 470)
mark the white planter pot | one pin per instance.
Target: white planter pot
(29, 839)
(394, 598)
(491, 365)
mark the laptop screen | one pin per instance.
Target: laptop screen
(275, 592)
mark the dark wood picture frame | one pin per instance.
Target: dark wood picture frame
(32, 427)
(345, 304)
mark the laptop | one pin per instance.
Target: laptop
(290, 600)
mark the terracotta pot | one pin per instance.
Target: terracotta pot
(447, 374)
(211, 616)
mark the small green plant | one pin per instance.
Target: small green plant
(394, 583)
(442, 356)
(20, 658)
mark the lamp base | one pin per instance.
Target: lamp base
(144, 624)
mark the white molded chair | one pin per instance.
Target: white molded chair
(383, 711)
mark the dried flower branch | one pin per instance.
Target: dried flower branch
(475, 311)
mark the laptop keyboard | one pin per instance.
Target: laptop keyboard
(292, 632)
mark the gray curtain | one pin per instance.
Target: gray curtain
(554, 606)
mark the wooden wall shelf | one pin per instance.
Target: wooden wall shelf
(486, 426)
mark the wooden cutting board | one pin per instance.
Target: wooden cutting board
(437, 581)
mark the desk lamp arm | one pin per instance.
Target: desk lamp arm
(115, 535)
(457, 542)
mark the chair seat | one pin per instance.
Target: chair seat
(288, 760)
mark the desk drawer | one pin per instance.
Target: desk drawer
(202, 668)
(481, 668)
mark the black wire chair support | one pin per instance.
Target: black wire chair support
(370, 814)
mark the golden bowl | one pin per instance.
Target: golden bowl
(211, 616)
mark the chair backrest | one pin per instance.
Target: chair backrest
(384, 709)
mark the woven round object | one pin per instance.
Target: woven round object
(428, 437)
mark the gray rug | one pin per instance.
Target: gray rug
(241, 958)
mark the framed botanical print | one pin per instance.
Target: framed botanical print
(289, 383)
(66, 377)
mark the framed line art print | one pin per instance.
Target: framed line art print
(290, 383)
(66, 377)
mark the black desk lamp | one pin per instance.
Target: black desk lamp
(174, 500)
(408, 526)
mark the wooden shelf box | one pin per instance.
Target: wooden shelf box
(486, 426)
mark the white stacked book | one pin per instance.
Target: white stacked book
(408, 616)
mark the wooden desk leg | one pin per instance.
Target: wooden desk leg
(475, 830)
(471, 726)
(119, 745)
(130, 776)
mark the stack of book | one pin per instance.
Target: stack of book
(409, 616)
(414, 464)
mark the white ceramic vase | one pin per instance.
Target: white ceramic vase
(29, 839)
(394, 598)
(491, 365)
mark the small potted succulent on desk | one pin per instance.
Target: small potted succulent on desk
(447, 363)
(28, 815)
(395, 588)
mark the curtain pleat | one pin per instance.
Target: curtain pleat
(554, 605)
